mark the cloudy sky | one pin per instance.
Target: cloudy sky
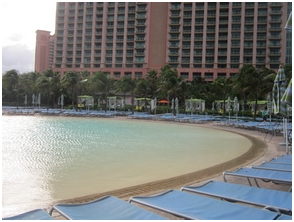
(19, 22)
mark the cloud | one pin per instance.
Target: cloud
(18, 57)
(15, 37)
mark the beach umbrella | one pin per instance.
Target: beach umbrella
(229, 107)
(212, 106)
(218, 106)
(236, 104)
(229, 104)
(288, 25)
(200, 105)
(122, 103)
(26, 100)
(279, 88)
(191, 105)
(98, 104)
(269, 106)
(177, 105)
(39, 100)
(62, 101)
(155, 104)
(172, 104)
(33, 99)
(287, 97)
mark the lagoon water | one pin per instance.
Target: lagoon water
(47, 159)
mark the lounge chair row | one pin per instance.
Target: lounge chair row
(198, 202)
(252, 125)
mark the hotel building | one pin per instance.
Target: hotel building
(199, 39)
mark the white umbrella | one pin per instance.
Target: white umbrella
(33, 99)
(212, 106)
(191, 105)
(155, 104)
(172, 104)
(62, 101)
(218, 106)
(39, 100)
(177, 105)
(229, 106)
(287, 97)
(279, 89)
(269, 105)
(236, 104)
(288, 25)
(122, 103)
(26, 100)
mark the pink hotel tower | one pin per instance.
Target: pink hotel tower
(199, 39)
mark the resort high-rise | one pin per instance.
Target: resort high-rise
(199, 39)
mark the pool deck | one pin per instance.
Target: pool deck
(271, 149)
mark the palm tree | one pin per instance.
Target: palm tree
(153, 82)
(44, 84)
(71, 80)
(122, 86)
(12, 80)
(142, 89)
(223, 87)
(103, 83)
(131, 85)
(256, 82)
(171, 83)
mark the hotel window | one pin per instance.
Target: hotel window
(208, 75)
(261, 43)
(196, 75)
(138, 74)
(141, 15)
(248, 44)
(236, 35)
(221, 75)
(236, 27)
(185, 75)
(116, 74)
(260, 52)
(235, 59)
(275, 43)
(235, 50)
(197, 52)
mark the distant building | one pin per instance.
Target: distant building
(199, 39)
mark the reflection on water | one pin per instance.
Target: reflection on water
(45, 159)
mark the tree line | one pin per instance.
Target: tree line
(248, 84)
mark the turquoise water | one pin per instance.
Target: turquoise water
(46, 159)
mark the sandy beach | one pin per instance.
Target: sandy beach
(263, 148)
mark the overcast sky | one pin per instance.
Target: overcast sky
(19, 22)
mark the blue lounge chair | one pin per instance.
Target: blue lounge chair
(274, 199)
(105, 208)
(192, 206)
(265, 175)
(281, 160)
(274, 166)
(38, 214)
(286, 156)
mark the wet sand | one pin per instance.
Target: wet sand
(260, 151)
